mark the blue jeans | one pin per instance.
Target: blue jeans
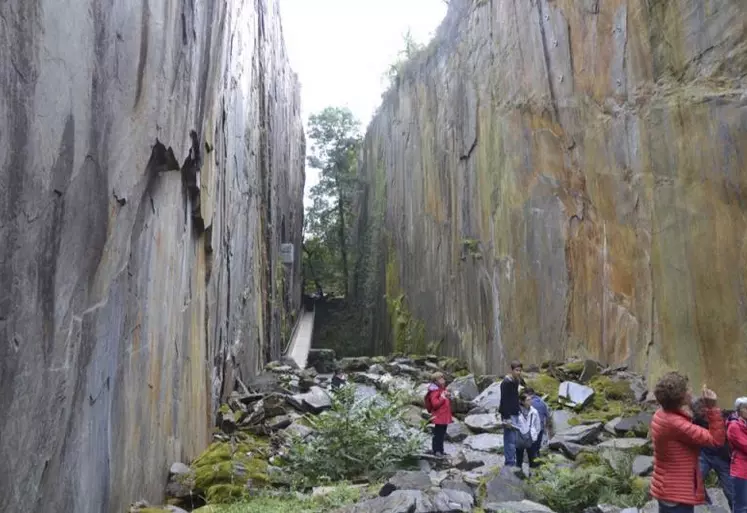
(709, 462)
(509, 441)
(677, 508)
(740, 495)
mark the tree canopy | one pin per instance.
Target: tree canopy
(335, 141)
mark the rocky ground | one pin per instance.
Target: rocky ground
(600, 450)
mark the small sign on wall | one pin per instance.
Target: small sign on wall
(286, 253)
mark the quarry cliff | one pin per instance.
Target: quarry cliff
(556, 178)
(151, 165)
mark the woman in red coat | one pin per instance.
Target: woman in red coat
(438, 404)
(677, 483)
(737, 435)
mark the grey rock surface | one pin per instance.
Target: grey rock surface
(140, 272)
(464, 388)
(505, 487)
(483, 422)
(574, 394)
(484, 442)
(490, 398)
(581, 434)
(456, 431)
(552, 177)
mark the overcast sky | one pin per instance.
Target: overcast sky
(341, 48)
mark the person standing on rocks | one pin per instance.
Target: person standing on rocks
(677, 483)
(338, 380)
(509, 410)
(714, 458)
(438, 404)
(528, 430)
(737, 435)
(545, 416)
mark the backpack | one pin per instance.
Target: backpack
(427, 402)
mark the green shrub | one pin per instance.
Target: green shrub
(290, 503)
(570, 490)
(355, 439)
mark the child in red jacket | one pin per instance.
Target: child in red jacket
(438, 404)
(737, 435)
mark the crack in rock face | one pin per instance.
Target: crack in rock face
(132, 288)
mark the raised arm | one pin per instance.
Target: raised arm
(693, 434)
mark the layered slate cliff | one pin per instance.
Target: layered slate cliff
(565, 177)
(151, 164)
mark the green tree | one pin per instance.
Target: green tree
(411, 47)
(335, 141)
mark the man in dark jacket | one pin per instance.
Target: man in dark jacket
(509, 410)
(714, 458)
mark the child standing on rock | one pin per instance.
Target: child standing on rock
(528, 430)
(438, 404)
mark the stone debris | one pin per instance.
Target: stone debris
(596, 423)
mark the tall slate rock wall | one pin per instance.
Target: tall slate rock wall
(565, 177)
(139, 265)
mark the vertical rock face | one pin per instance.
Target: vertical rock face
(151, 164)
(559, 177)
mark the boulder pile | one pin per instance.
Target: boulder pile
(600, 414)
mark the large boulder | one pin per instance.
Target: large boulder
(399, 501)
(504, 487)
(581, 434)
(490, 398)
(483, 423)
(323, 360)
(314, 401)
(452, 501)
(485, 442)
(637, 424)
(569, 449)
(266, 383)
(561, 419)
(574, 394)
(590, 369)
(464, 388)
(643, 465)
(355, 364)
(406, 480)
(456, 432)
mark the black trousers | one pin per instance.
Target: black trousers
(439, 434)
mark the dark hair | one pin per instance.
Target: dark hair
(671, 390)
(523, 397)
(516, 364)
(529, 391)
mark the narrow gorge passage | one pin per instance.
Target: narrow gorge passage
(208, 208)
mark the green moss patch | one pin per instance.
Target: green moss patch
(224, 471)
(610, 389)
(545, 385)
(283, 503)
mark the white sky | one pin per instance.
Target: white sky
(341, 49)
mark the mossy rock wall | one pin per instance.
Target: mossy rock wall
(526, 180)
